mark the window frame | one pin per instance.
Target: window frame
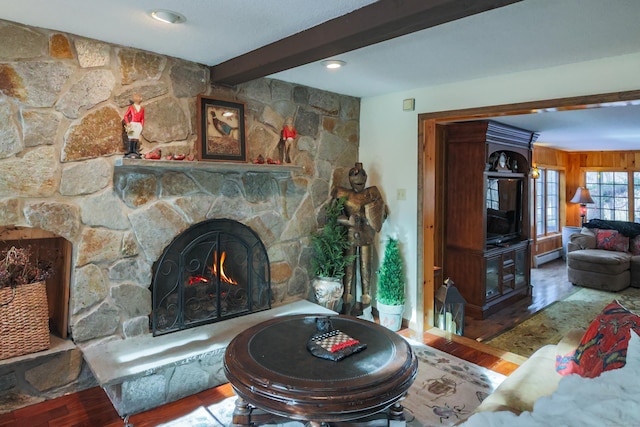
(595, 210)
(541, 184)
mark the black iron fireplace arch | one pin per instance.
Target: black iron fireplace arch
(215, 270)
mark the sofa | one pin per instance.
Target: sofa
(535, 378)
(588, 378)
(605, 255)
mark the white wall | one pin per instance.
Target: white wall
(389, 135)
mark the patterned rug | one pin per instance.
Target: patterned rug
(446, 390)
(551, 324)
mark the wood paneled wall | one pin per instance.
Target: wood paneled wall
(573, 163)
(543, 156)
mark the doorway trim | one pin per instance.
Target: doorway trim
(430, 169)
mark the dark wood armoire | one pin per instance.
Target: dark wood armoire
(487, 248)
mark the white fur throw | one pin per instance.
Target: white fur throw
(612, 399)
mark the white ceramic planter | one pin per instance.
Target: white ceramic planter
(328, 292)
(390, 316)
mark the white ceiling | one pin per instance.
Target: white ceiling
(522, 36)
(595, 129)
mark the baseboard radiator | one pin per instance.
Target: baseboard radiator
(540, 259)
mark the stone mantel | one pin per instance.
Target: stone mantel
(185, 165)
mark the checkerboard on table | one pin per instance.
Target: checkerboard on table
(335, 340)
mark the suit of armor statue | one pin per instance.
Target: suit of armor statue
(364, 213)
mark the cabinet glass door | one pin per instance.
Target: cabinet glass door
(521, 268)
(492, 284)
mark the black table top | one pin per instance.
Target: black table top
(281, 347)
(270, 366)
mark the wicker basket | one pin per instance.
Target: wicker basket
(24, 320)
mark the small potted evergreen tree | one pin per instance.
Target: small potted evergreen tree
(391, 287)
(329, 260)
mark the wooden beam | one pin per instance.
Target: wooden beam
(378, 22)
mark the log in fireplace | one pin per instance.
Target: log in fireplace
(215, 270)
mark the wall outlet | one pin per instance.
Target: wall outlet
(402, 194)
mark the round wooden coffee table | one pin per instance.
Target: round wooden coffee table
(273, 373)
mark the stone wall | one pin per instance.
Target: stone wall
(63, 98)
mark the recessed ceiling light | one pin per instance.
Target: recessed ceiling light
(167, 16)
(332, 64)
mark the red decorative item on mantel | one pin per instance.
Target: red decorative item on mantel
(260, 160)
(154, 155)
(175, 157)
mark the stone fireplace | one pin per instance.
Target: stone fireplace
(120, 274)
(62, 172)
(115, 234)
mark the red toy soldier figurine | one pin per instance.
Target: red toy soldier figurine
(287, 136)
(133, 123)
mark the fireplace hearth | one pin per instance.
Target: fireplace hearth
(215, 270)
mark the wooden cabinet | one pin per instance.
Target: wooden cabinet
(487, 248)
(506, 270)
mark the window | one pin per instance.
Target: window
(610, 193)
(636, 197)
(548, 202)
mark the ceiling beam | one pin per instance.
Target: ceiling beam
(375, 23)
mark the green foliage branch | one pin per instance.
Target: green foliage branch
(330, 244)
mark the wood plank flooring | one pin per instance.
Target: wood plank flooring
(92, 407)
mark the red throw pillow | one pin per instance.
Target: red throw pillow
(603, 347)
(611, 240)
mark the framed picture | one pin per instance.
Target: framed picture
(221, 135)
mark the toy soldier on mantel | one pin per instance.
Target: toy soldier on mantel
(133, 122)
(364, 213)
(287, 135)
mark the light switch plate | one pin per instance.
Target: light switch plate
(409, 104)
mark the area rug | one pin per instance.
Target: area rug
(446, 390)
(551, 324)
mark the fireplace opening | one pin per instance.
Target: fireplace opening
(215, 270)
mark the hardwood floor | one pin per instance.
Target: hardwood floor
(549, 283)
(92, 407)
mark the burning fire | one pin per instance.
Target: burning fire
(214, 271)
